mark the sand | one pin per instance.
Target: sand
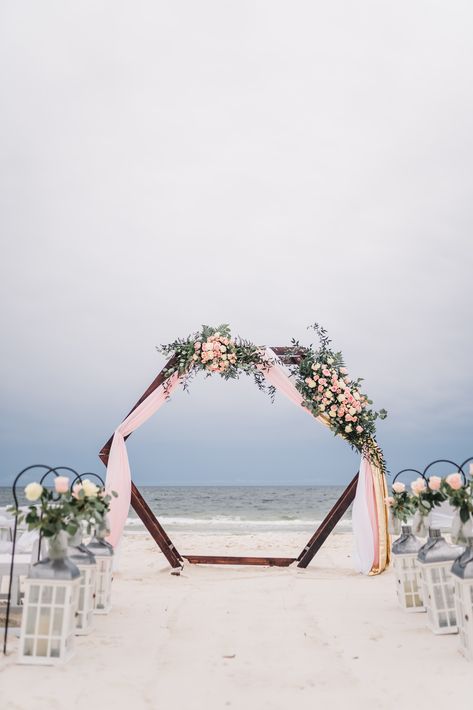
(248, 638)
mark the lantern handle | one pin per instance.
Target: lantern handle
(405, 470)
(459, 468)
(465, 462)
(88, 473)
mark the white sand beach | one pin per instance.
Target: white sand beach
(247, 638)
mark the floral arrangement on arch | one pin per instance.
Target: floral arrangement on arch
(320, 376)
(214, 351)
(330, 393)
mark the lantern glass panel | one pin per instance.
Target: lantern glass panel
(47, 595)
(34, 594)
(57, 621)
(44, 621)
(31, 619)
(55, 648)
(28, 647)
(60, 595)
(42, 647)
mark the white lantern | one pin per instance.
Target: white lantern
(406, 570)
(85, 563)
(48, 619)
(462, 572)
(103, 553)
(435, 560)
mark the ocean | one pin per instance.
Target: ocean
(235, 509)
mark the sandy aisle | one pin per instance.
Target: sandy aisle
(249, 638)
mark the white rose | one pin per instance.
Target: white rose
(341, 397)
(330, 360)
(352, 411)
(223, 349)
(316, 366)
(89, 488)
(333, 414)
(322, 407)
(33, 491)
(348, 428)
(356, 395)
(341, 384)
(343, 370)
(399, 487)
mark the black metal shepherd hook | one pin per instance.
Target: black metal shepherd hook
(459, 468)
(47, 471)
(410, 470)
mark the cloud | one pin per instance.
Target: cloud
(263, 165)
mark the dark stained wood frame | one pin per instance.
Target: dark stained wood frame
(289, 356)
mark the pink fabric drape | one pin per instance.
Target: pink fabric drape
(118, 468)
(365, 523)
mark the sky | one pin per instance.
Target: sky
(267, 164)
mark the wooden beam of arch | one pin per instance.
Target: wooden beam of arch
(289, 356)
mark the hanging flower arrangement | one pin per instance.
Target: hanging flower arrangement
(330, 393)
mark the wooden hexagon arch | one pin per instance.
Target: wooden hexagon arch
(164, 542)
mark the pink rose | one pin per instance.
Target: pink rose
(389, 501)
(320, 388)
(61, 484)
(359, 429)
(197, 345)
(326, 373)
(76, 490)
(434, 483)
(323, 381)
(418, 486)
(343, 370)
(455, 481)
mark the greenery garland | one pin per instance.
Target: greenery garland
(320, 376)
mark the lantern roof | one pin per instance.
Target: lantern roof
(463, 565)
(100, 548)
(407, 544)
(80, 555)
(54, 570)
(437, 549)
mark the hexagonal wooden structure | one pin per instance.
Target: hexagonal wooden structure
(288, 355)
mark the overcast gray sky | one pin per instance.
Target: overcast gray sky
(267, 164)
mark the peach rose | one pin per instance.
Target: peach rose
(418, 486)
(455, 481)
(434, 483)
(389, 501)
(61, 484)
